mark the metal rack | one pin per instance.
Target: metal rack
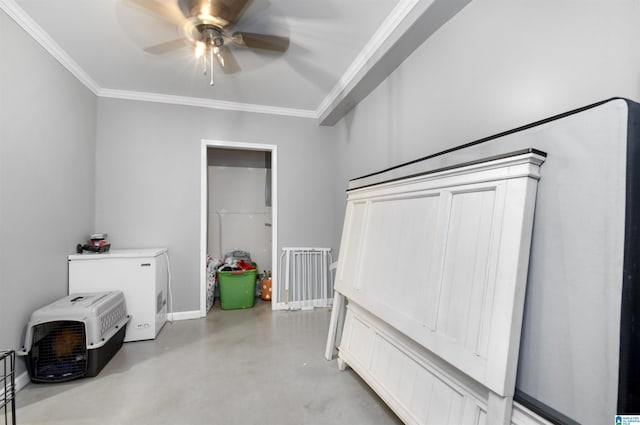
(8, 386)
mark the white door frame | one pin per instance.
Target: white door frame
(204, 209)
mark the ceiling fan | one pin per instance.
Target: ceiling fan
(206, 27)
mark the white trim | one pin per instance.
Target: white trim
(204, 206)
(22, 380)
(183, 315)
(16, 13)
(205, 103)
(362, 62)
(395, 40)
(204, 201)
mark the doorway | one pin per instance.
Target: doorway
(234, 218)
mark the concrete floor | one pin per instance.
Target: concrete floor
(236, 367)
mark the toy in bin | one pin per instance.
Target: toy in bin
(75, 336)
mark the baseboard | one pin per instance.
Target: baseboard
(22, 380)
(184, 315)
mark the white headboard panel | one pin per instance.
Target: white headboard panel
(441, 258)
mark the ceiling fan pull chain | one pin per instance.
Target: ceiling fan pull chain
(211, 60)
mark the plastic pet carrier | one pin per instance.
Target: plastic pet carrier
(75, 336)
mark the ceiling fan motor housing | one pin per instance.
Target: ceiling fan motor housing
(210, 34)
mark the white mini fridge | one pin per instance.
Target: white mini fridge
(141, 274)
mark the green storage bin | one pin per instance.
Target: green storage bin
(237, 289)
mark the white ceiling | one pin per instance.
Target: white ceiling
(334, 44)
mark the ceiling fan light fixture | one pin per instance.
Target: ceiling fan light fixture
(206, 28)
(200, 49)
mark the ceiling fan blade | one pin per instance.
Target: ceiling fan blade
(159, 10)
(229, 10)
(227, 61)
(224, 12)
(168, 46)
(261, 41)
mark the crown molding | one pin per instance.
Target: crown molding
(16, 13)
(410, 23)
(381, 55)
(361, 62)
(205, 103)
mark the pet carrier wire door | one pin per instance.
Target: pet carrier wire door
(8, 386)
(306, 277)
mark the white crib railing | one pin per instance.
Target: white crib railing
(306, 279)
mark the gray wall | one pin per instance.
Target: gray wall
(47, 156)
(148, 179)
(495, 66)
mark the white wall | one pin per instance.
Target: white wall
(47, 156)
(238, 215)
(148, 179)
